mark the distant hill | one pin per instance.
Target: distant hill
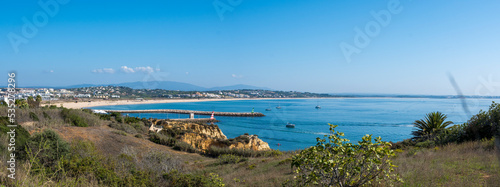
(167, 85)
(239, 87)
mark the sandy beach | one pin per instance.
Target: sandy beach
(94, 103)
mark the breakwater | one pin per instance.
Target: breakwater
(235, 114)
(202, 120)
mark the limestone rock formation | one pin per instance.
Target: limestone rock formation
(203, 136)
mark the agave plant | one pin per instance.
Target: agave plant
(433, 123)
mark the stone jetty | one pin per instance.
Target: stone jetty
(236, 114)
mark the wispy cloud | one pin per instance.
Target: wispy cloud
(103, 70)
(127, 69)
(236, 76)
(146, 69)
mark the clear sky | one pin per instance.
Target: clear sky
(285, 45)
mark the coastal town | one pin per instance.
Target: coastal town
(120, 92)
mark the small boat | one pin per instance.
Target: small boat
(268, 109)
(318, 107)
(290, 125)
(278, 107)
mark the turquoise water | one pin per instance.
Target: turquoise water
(389, 118)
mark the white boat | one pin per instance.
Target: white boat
(290, 125)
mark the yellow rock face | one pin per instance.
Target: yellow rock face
(255, 144)
(205, 136)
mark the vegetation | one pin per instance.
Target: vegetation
(434, 123)
(337, 162)
(72, 118)
(231, 159)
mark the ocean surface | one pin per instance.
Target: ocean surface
(389, 118)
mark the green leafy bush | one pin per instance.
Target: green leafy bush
(215, 151)
(22, 135)
(183, 146)
(120, 133)
(123, 127)
(72, 118)
(230, 159)
(426, 144)
(46, 116)
(162, 139)
(45, 148)
(486, 124)
(118, 116)
(176, 178)
(33, 116)
(335, 161)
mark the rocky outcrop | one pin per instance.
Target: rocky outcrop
(252, 142)
(203, 136)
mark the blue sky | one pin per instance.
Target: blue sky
(286, 45)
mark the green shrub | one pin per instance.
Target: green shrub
(285, 161)
(45, 148)
(130, 120)
(426, 144)
(335, 161)
(118, 116)
(46, 116)
(22, 135)
(230, 159)
(252, 166)
(120, 133)
(123, 127)
(486, 124)
(176, 178)
(214, 151)
(162, 139)
(138, 136)
(33, 116)
(72, 118)
(183, 146)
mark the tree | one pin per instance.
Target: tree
(21, 103)
(32, 103)
(433, 124)
(336, 162)
(38, 98)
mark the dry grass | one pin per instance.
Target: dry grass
(466, 164)
(254, 172)
(49, 118)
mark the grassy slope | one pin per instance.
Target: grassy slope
(466, 164)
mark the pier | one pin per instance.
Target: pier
(208, 113)
(195, 120)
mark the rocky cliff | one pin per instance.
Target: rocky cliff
(203, 136)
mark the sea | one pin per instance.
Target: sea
(390, 118)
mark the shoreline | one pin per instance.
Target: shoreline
(86, 104)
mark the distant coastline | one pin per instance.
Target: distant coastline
(93, 103)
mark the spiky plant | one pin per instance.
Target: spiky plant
(432, 124)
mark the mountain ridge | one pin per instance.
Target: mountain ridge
(167, 85)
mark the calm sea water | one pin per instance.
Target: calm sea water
(389, 118)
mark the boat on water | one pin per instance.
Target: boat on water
(268, 109)
(318, 107)
(290, 125)
(278, 107)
